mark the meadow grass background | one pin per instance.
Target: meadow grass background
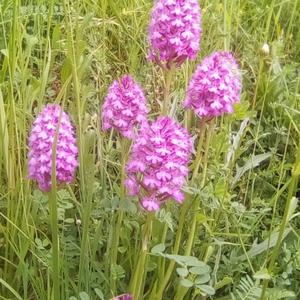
(247, 227)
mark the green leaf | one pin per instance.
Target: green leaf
(263, 246)
(225, 281)
(84, 296)
(99, 293)
(183, 272)
(201, 279)
(14, 292)
(262, 274)
(204, 269)
(117, 271)
(186, 283)
(158, 248)
(292, 208)
(192, 261)
(69, 220)
(251, 163)
(206, 289)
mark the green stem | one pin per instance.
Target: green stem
(53, 216)
(285, 219)
(55, 242)
(199, 149)
(182, 216)
(136, 286)
(161, 260)
(207, 144)
(166, 102)
(182, 290)
(120, 215)
(175, 251)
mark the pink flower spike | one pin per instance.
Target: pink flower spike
(124, 108)
(174, 31)
(215, 86)
(40, 148)
(162, 148)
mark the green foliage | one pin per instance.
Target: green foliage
(70, 51)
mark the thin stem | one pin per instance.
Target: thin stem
(225, 27)
(136, 286)
(285, 220)
(120, 214)
(199, 149)
(182, 290)
(54, 217)
(175, 250)
(207, 144)
(166, 102)
(182, 216)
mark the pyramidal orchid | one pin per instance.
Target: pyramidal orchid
(215, 86)
(124, 108)
(174, 31)
(158, 165)
(41, 143)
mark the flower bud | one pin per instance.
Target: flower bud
(265, 49)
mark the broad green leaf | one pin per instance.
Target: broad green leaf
(262, 274)
(158, 248)
(201, 279)
(206, 289)
(99, 293)
(183, 272)
(84, 296)
(200, 270)
(186, 283)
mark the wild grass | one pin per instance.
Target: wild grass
(243, 222)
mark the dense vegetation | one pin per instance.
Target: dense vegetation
(241, 240)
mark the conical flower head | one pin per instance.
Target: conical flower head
(158, 164)
(215, 86)
(124, 108)
(174, 31)
(40, 148)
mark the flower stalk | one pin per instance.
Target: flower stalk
(140, 271)
(181, 292)
(120, 214)
(167, 82)
(54, 217)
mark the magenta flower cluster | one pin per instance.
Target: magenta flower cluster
(40, 147)
(158, 164)
(174, 31)
(125, 107)
(215, 86)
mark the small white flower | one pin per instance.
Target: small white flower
(265, 49)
